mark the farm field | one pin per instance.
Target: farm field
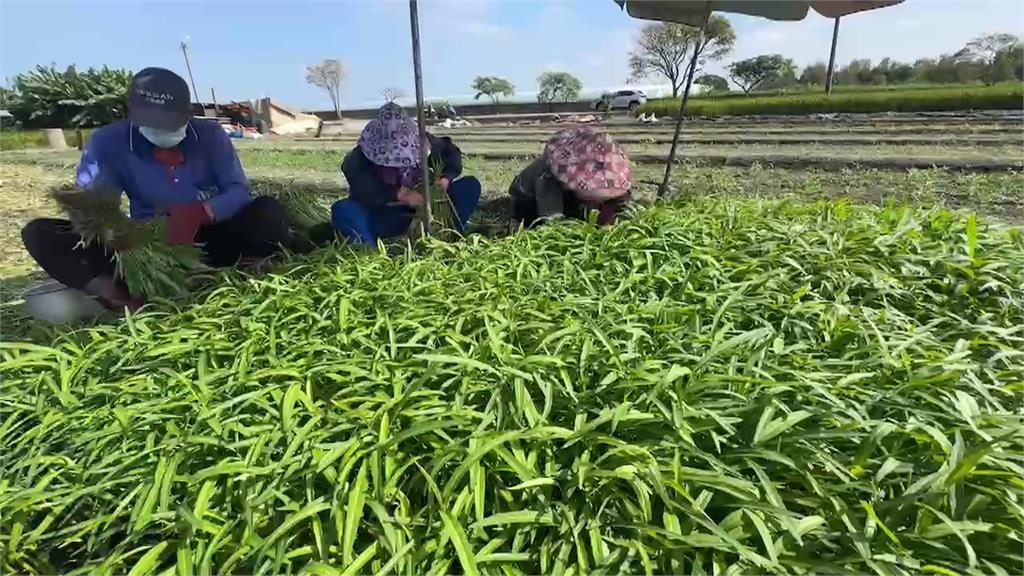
(806, 366)
(999, 96)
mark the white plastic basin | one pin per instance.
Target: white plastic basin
(50, 301)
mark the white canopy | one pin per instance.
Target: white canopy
(693, 12)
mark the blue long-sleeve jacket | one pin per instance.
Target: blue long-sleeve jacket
(365, 187)
(118, 159)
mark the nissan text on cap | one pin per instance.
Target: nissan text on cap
(159, 98)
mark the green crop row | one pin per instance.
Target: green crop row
(1005, 96)
(715, 387)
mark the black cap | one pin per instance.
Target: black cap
(159, 98)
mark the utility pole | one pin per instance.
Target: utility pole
(184, 50)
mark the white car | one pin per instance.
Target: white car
(629, 99)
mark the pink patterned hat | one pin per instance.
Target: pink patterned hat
(588, 162)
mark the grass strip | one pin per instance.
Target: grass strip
(1003, 96)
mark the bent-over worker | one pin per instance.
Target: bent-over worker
(383, 173)
(581, 168)
(167, 165)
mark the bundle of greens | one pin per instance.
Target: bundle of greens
(441, 210)
(146, 263)
(303, 207)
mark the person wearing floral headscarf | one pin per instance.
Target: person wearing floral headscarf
(383, 173)
(581, 168)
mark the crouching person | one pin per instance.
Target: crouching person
(169, 166)
(581, 168)
(383, 173)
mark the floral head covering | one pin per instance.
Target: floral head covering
(587, 161)
(391, 139)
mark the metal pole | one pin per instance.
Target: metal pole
(414, 23)
(184, 50)
(682, 105)
(216, 109)
(832, 58)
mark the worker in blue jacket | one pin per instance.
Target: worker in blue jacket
(383, 173)
(169, 165)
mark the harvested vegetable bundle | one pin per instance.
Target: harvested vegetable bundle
(303, 207)
(146, 263)
(442, 213)
(441, 210)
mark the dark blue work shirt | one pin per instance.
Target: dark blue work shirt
(119, 159)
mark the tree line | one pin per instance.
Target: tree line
(664, 50)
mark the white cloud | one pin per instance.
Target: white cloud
(481, 28)
(768, 36)
(554, 12)
(470, 17)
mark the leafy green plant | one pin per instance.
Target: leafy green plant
(48, 98)
(712, 387)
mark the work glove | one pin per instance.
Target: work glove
(184, 221)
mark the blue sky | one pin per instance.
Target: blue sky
(252, 48)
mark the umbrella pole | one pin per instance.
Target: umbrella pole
(663, 189)
(414, 22)
(832, 59)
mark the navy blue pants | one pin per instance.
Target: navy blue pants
(359, 223)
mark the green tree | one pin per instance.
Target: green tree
(664, 49)
(814, 74)
(786, 78)
(750, 73)
(558, 86)
(49, 98)
(985, 50)
(1009, 64)
(858, 71)
(712, 83)
(893, 72)
(492, 87)
(949, 70)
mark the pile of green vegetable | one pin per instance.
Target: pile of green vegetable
(1002, 96)
(718, 387)
(145, 261)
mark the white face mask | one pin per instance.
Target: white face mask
(163, 138)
